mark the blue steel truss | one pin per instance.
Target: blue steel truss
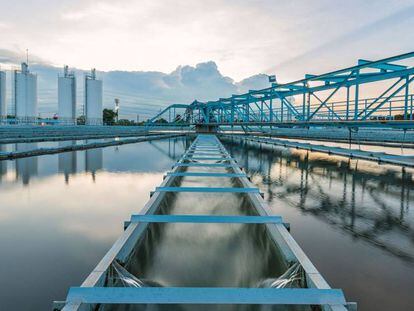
(331, 98)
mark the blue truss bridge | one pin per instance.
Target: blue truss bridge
(370, 94)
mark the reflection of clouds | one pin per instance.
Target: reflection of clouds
(96, 210)
(371, 202)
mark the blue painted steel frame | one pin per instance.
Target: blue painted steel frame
(209, 295)
(205, 174)
(207, 219)
(273, 106)
(206, 189)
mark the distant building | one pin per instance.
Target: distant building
(67, 97)
(93, 99)
(24, 94)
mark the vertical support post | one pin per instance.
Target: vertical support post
(271, 109)
(365, 108)
(356, 96)
(281, 108)
(207, 114)
(347, 103)
(389, 111)
(309, 102)
(304, 103)
(411, 107)
(407, 83)
(232, 112)
(261, 112)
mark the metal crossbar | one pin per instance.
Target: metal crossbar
(206, 189)
(206, 153)
(206, 219)
(208, 158)
(205, 149)
(204, 164)
(202, 174)
(209, 295)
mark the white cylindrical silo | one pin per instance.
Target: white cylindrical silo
(3, 106)
(93, 99)
(25, 95)
(67, 97)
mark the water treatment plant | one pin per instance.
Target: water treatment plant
(278, 194)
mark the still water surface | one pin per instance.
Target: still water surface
(353, 218)
(59, 214)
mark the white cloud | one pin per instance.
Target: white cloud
(143, 93)
(243, 37)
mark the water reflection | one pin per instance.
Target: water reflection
(67, 160)
(93, 161)
(353, 218)
(26, 167)
(170, 151)
(370, 202)
(53, 233)
(3, 164)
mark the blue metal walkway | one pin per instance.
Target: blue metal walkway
(95, 292)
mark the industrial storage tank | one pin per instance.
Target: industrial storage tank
(93, 99)
(67, 97)
(3, 106)
(25, 95)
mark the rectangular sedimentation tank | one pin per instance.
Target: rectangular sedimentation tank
(67, 97)
(25, 94)
(119, 281)
(93, 99)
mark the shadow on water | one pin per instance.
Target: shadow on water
(367, 201)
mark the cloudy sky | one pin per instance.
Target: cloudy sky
(243, 37)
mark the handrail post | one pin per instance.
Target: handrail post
(356, 96)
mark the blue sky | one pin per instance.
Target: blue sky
(243, 38)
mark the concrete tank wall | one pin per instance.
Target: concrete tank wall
(3, 106)
(93, 101)
(67, 99)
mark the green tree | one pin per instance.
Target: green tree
(108, 116)
(125, 122)
(80, 120)
(161, 120)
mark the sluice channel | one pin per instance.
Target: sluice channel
(206, 240)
